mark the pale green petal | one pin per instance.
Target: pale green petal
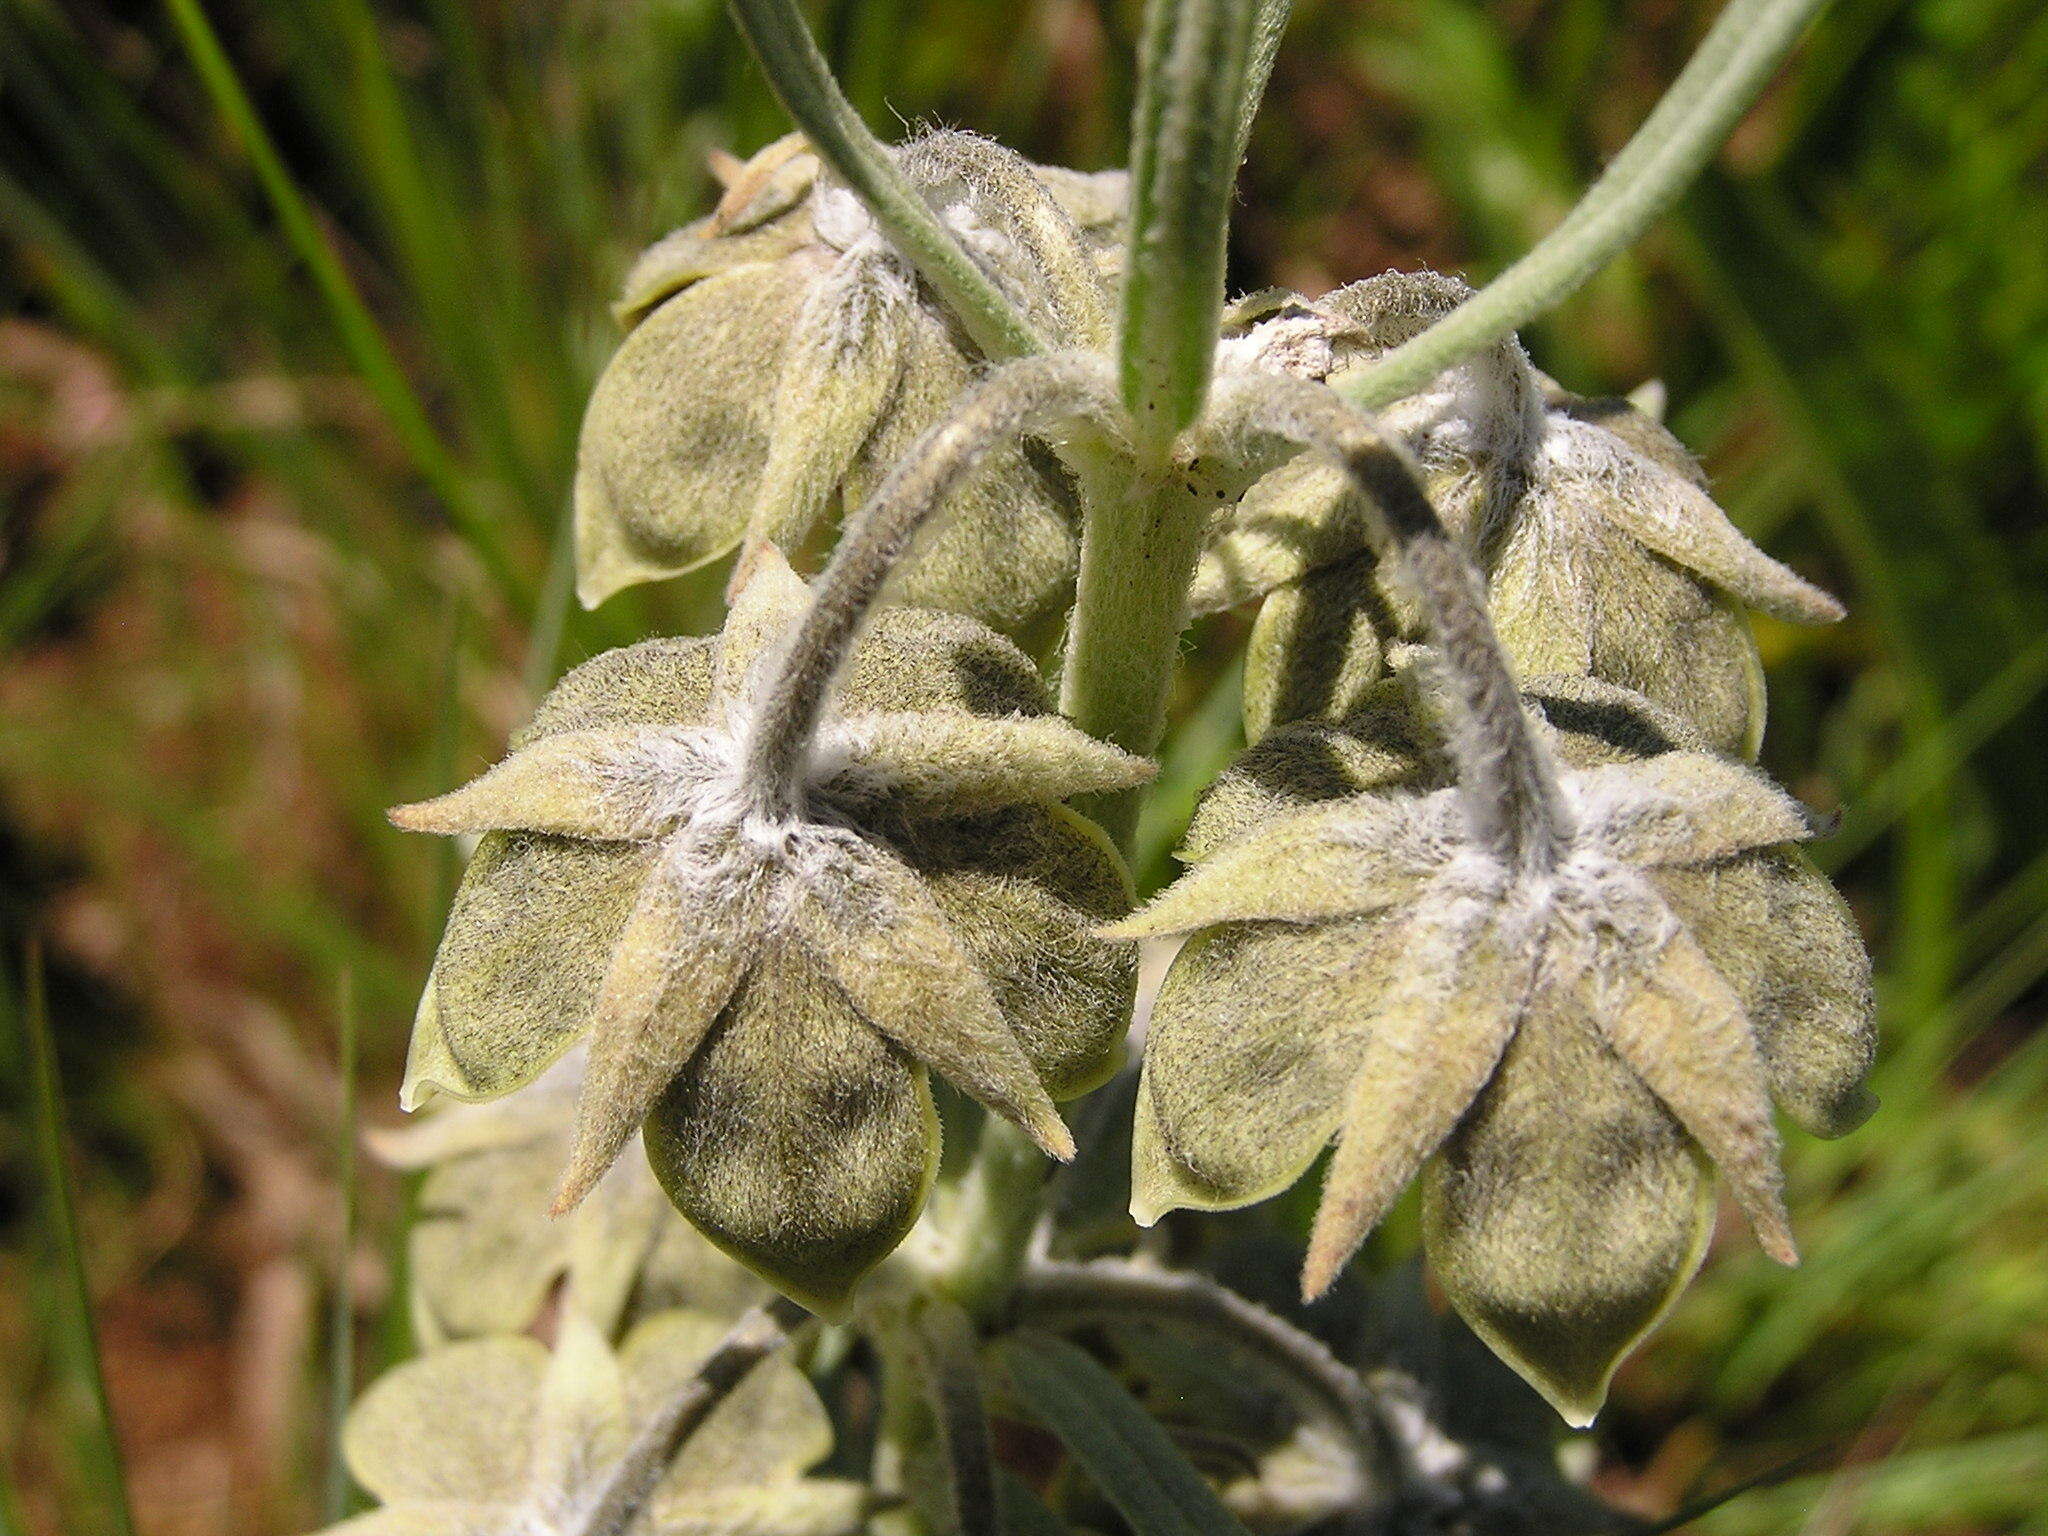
(1308, 762)
(1543, 588)
(485, 1254)
(836, 381)
(676, 965)
(1564, 1225)
(771, 1429)
(1296, 519)
(798, 1140)
(609, 785)
(1435, 1037)
(1684, 808)
(526, 946)
(1674, 518)
(454, 1424)
(886, 944)
(654, 683)
(966, 764)
(1347, 859)
(1778, 931)
(440, 1518)
(581, 1424)
(1024, 891)
(1683, 1032)
(1254, 1041)
(1317, 647)
(814, 1507)
(915, 659)
(769, 600)
(676, 434)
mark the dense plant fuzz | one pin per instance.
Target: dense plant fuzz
(1563, 1048)
(1494, 902)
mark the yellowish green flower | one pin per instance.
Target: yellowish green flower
(764, 986)
(781, 357)
(1561, 1051)
(502, 1437)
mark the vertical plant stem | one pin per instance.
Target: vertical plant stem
(1194, 90)
(1000, 1202)
(341, 1321)
(1138, 553)
(775, 30)
(1733, 63)
(101, 1447)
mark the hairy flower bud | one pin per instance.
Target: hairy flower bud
(1560, 1052)
(782, 355)
(504, 1435)
(484, 1256)
(764, 985)
(1603, 553)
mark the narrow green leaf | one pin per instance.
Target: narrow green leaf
(1136, 1466)
(79, 1337)
(1024, 1512)
(952, 1369)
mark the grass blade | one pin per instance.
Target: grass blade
(79, 1337)
(341, 1321)
(1129, 1456)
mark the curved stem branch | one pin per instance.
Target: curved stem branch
(775, 30)
(1507, 781)
(757, 1335)
(1738, 55)
(1036, 396)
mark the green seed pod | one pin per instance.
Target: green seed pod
(781, 356)
(503, 1434)
(1562, 1055)
(1603, 553)
(765, 989)
(484, 1256)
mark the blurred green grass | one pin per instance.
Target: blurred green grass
(282, 548)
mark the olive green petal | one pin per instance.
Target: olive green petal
(1024, 891)
(770, 1429)
(1253, 1045)
(1685, 808)
(1345, 859)
(914, 659)
(1564, 1224)
(1773, 925)
(484, 1253)
(1317, 647)
(453, 1424)
(1005, 546)
(812, 1507)
(699, 250)
(963, 764)
(1308, 762)
(676, 434)
(526, 947)
(886, 944)
(1599, 722)
(767, 602)
(656, 682)
(836, 381)
(798, 1140)
(602, 785)
(1295, 519)
(1543, 590)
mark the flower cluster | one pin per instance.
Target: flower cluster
(1559, 1049)
(763, 986)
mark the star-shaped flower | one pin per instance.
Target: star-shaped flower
(492, 1437)
(1603, 552)
(1557, 1051)
(765, 987)
(782, 357)
(484, 1256)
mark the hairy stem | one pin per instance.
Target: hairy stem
(757, 1335)
(775, 30)
(1138, 551)
(1000, 1202)
(1505, 776)
(1734, 61)
(1036, 396)
(1194, 91)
